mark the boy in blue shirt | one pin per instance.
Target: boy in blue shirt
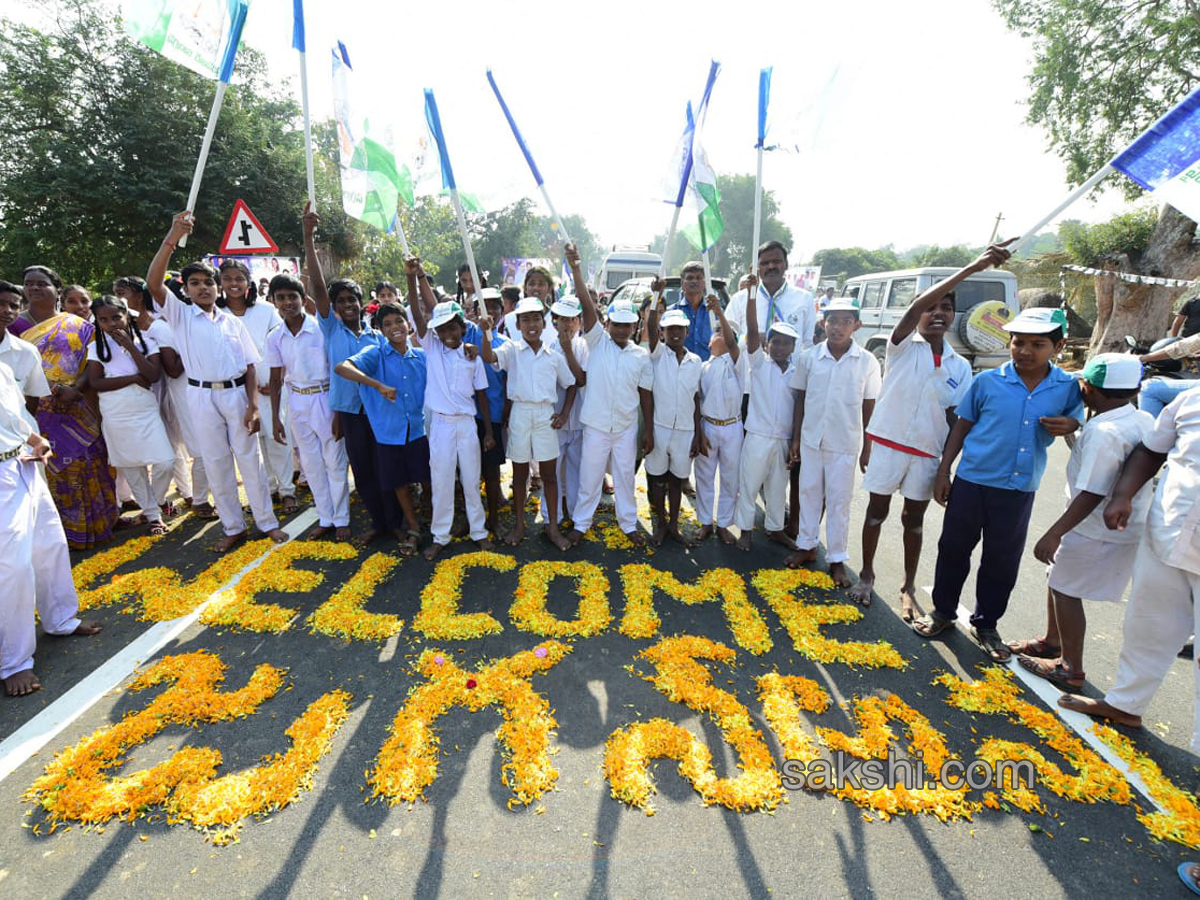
(1006, 421)
(392, 379)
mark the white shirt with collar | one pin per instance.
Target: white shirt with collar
(302, 355)
(771, 399)
(834, 391)
(25, 363)
(452, 379)
(15, 429)
(615, 374)
(721, 388)
(260, 319)
(1100, 450)
(580, 348)
(676, 382)
(916, 394)
(533, 377)
(791, 304)
(121, 361)
(1173, 525)
(213, 346)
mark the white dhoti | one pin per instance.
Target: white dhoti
(1164, 608)
(454, 445)
(599, 450)
(218, 418)
(763, 467)
(322, 459)
(826, 483)
(722, 461)
(35, 567)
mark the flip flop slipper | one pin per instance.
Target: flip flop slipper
(1186, 876)
(908, 616)
(1058, 674)
(932, 624)
(989, 640)
(1036, 647)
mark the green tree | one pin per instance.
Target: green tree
(846, 262)
(1103, 70)
(957, 256)
(107, 148)
(1127, 233)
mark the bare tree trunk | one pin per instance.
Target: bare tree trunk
(1144, 310)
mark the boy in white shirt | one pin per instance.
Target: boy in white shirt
(1086, 559)
(764, 462)
(676, 416)
(456, 388)
(534, 375)
(296, 351)
(21, 357)
(620, 379)
(218, 356)
(720, 445)
(836, 383)
(566, 314)
(925, 380)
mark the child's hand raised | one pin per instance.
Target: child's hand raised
(182, 224)
(412, 266)
(486, 324)
(310, 220)
(572, 254)
(657, 286)
(751, 280)
(713, 302)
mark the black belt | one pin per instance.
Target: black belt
(218, 385)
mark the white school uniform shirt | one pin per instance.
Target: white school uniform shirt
(532, 377)
(513, 333)
(302, 355)
(121, 362)
(721, 388)
(580, 348)
(260, 320)
(771, 400)
(916, 394)
(15, 429)
(1096, 459)
(676, 382)
(451, 378)
(214, 347)
(25, 364)
(1173, 525)
(834, 391)
(615, 374)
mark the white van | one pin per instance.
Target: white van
(622, 264)
(985, 301)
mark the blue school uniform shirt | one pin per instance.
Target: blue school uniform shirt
(403, 421)
(496, 380)
(341, 343)
(1006, 447)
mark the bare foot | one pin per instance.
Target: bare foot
(515, 536)
(574, 536)
(781, 537)
(278, 535)
(485, 544)
(1100, 708)
(432, 551)
(635, 538)
(801, 559)
(676, 535)
(554, 536)
(726, 536)
(659, 534)
(910, 609)
(367, 536)
(319, 532)
(743, 541)
(837, 571)
(703, 534)
(861, 592)
(87, 628)
(22, 683)
(227, 543)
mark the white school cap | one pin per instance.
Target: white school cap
(674, 317)
(623, 312)
(1119, 371)
(842, 304)
(1038, 320)
(568, 306)
(785, 329)
(444, 312)
(529, 305)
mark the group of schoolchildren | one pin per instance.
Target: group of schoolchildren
(435, 401)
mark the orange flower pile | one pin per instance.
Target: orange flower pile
(343, 616)
(641, 621)
(681, 678)
(408, 761)
(529, 613)
(803, 621)
(439, 617)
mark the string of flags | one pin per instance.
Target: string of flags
(1132, 277)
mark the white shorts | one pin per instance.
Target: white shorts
(530, 437)
(672, 450)
(1090, 569)
(891, 470)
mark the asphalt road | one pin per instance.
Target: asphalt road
(576, 840)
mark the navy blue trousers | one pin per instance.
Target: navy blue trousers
(1001, 518)
(382, 506)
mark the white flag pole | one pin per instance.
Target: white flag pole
(205, 146)
(707, 274)
(753, 292)
(562, 229)
(466, 239)
(308, 149)
(1084, 188)
(400, 235)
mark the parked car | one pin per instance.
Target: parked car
(638, 290)
(622, 264)
(985, 301)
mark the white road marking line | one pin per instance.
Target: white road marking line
(389, 648)
(38, 731)
(1077, 722)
